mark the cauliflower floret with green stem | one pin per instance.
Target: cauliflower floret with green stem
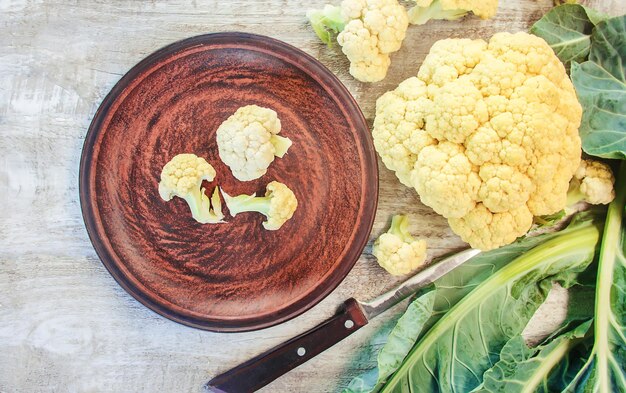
(593, 182)
(397, 251)
(368, 31)
(425, 10)
(327, 22)
(248, 141)
(182, 176)
(486, 131)
(278, 204)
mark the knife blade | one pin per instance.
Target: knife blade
(351, 316)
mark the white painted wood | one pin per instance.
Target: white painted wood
(65, 325)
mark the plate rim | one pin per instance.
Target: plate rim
(370, 203)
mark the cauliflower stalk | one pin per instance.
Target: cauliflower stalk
(487, 134)
(397, 251)
(368, 31)
(425, 10)
(593, 183)
(327, 23)
(278, 204)
(182, 176)
(248, 141)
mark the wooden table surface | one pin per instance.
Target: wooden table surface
(65, 325)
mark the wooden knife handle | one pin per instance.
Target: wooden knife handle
(266, 367)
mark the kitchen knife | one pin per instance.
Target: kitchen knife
(351, 316)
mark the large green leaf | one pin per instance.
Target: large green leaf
(466, 341)
(601, 87)
(400, 341)
(523, 369)
(605, 370)
(569, 367)
(608, 46)
(455, 285)
(404, 335)
(449, 290)
(580, 308)
(567, 29)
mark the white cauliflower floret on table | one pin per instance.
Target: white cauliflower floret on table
(487, 134)
(397, 251)
(278, 205)
(182, 176)
(425, 10)
(248, 141)
(369, 30)
(593, 182)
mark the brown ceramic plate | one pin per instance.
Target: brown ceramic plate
(234, 276)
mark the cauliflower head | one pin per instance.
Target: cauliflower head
(278, 205)
(592, 182)
(397, 251)
(369, 30)
(182, 176)
(425, 10)
(248, 141)
(487, 134)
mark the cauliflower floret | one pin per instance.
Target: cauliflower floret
(182, 176)
(593, 182)
(425, 10)
(486, 230)
(446, 180)
(248, 141)
(326, 22)
(367, 62)
(278, 204)
(395, 136)
(448, 59)
(458, 110)
(487, 134)
(503, 187)
(371, 30)
(397, 251)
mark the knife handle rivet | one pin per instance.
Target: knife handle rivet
(349, 324)
(301, 351)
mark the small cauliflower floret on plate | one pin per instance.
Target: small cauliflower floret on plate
(397, 251)
(425, 10)
(248, 141)
(278, 204)
(486, 133)
(593, 182)
(369, 30)
(182, 176)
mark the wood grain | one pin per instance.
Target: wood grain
(65, 324)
